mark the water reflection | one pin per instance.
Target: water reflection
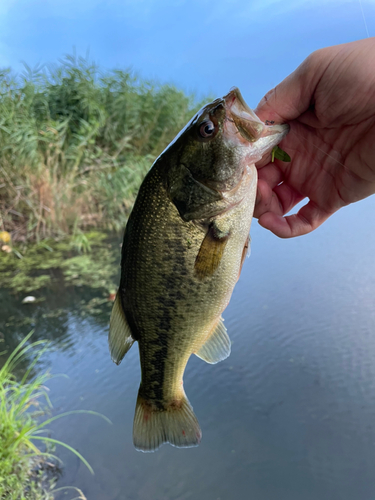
(289, 415)
(78, 288)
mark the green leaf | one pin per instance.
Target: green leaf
(279, 154)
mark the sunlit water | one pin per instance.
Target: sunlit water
(289, 415)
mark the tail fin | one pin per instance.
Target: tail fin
(176, 424)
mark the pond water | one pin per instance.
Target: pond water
(289, 415)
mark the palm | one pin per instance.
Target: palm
(334, 155)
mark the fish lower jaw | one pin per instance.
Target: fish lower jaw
(265, 144)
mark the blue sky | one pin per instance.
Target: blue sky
(204, 46)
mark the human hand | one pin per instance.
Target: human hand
(329, 103)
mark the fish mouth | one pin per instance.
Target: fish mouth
(262, 136)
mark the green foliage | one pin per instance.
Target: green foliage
(21, 460)
(75, 143)
(278, 153)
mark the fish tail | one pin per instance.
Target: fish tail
(175, 423)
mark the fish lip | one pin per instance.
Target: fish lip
(235, 94)
(279, 128)
(247, 122)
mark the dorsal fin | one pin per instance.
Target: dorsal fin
(120, 337)
(217, 346)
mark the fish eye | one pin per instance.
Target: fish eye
(207, 129)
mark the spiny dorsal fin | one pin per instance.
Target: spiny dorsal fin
(119, 338)
(217, 346)
(210, 252)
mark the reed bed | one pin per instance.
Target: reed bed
(76, 142)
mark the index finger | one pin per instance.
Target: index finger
(308, 218)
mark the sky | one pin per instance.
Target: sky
(202, 46)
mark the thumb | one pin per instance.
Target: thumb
(295, 94)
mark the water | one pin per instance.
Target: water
(289, 415)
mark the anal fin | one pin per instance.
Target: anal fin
(119, 338)
(217, 346)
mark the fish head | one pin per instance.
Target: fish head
(221, 138)
(209, 156)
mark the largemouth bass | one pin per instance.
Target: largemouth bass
(183, 250)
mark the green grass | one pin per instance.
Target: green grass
(22, 405)
(76, 142)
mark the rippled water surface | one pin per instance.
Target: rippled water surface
(289, 415)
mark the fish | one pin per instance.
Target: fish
(184, 246)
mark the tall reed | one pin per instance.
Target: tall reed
(76, 142)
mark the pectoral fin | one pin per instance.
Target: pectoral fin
(210, 252)
(217, 346)
(119, 338)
